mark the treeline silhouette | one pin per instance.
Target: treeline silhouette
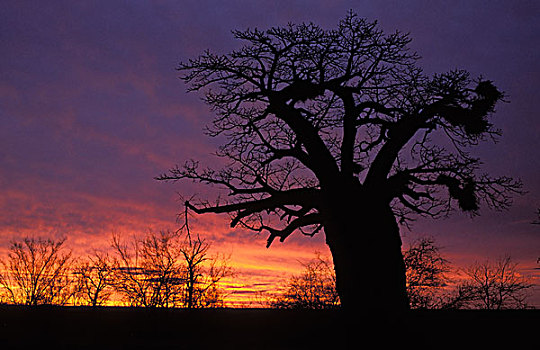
(165, 269)
(168, 269)
(432, 283)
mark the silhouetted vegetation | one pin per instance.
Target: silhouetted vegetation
(341, 131)
(487, 285)
(36, 272)
(148, 271)
(202, 284)
(426, 274)
(314, 288)
(491, 286)
(95, 278)
(166, 270)
(158, 270)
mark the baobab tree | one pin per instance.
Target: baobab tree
(339, 131)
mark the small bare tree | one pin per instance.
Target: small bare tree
(202, 282)
(426, 271)
(95, 278)
(219, 268)
(149, 272)
(168, 270)
(314, 288)
(492, 286)
(36, 272)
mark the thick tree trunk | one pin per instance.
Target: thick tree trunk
(366, 248)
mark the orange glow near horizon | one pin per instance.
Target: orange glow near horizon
(258, 271)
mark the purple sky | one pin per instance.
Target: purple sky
(91, 109)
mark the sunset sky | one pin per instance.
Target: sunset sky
(91, 110)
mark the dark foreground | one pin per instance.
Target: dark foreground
(128, 328)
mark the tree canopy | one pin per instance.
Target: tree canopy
(302, 109)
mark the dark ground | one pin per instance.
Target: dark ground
(137, 328)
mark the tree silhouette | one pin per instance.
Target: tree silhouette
(37, 272)
(95, 278)
(426, 271)
(491, 286)
(340, 131)
(201, 283)
(149, 272)
(194, 255)
(314, 288)
(166, 270)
